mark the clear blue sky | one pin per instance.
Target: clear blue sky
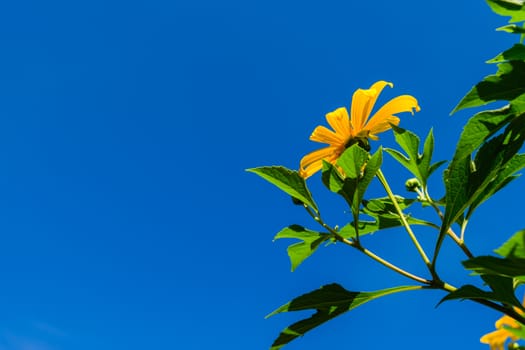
(126, 218)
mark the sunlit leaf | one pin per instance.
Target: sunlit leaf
(298, 252)
(383, 212)
(479, 128)
(469, 183)
(352, 161)
(512, 28)
(517, 106)
(359, 169)
(514, 247)
(515, 53)
(502, 179)
(512, 8)
(457, 192)
(288, 181)
(506, 84)
(418, 164)
(328, 302)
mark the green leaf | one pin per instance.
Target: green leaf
(288, 181)
(467, 291)
(506, 84)
(385, 216)
(352, 161)
(515, 53)
(298, 252)
(501, 291)
(359, 169)
(517, 106)
(502, 179)
(513, 8)
(470, 183)
(471, 292)
(491, 265)
(512, 28)
(369, 172)
(329, 302)
(514, 247)
(418, 164)
(456, 179)
(479, 128)
(495, 163)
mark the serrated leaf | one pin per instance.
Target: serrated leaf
(502, 292)
(479, 128)
(495, 163)
(506, 84)
(515, 53)
(385, 215)
(470, 183)
(335, 182)
(502, 179)
(467, 291)
(369, 172)
(456, 179)
(329, 302)
(417, 164)
(491, 265)
(352, 161)
(503, 289)
(517, 106)
(514, 247)
(512, 8)
(288, 181)
(311, 240)
(359, 170)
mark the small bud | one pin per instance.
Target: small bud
(412, 185)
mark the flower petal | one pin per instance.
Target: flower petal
(385, 115)
(313, 162)
(378, 87)
(403, 103)
(497, 339)
(377, 126)
(324, 135)
(362, 103)
(340, 122)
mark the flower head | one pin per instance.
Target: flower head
(356, 128)
(497, 339)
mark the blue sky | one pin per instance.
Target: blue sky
(126, 216)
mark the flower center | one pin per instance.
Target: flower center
(361, 141)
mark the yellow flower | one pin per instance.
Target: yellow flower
(357, 128)
(497, 339)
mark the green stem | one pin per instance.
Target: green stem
(458, 240)
(363, 250)
(392, 197)
(391, 266)
(434, 284)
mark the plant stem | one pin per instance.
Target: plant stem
(390, 265)
(436, 283)
(365, 251)
(392, 197)
(458, 240)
